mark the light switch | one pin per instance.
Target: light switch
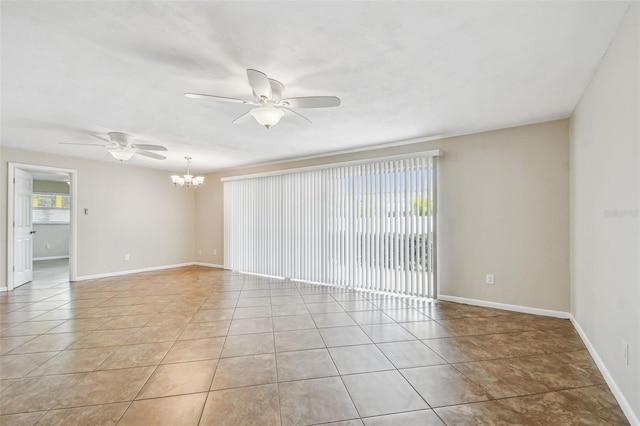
(86, 212)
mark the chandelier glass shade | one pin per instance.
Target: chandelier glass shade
(187, 180)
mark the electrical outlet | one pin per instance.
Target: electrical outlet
(199, 252)
(215, 252)
(626, 353)
(127, 257)
(489, 279)
(48, 246)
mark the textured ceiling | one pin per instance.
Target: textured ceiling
(404, 71)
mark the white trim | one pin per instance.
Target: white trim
(506, 307)
(209, 265)
(50, 258)
(132, 271)
(617, 393)
(3, 289)
(73, 192)
(430, 153)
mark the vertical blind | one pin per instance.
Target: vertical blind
(367, 225)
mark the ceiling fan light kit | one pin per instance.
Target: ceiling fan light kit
(187, 180)
(268, 100)
(267, 116)
(121, 154)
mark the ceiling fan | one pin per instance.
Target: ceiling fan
(268, 100)
(121, 146)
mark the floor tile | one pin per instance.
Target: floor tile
(344, 336)
(181, 410)
(212, 315)
(500, 380)
(286, 310)
(145, 354)
(334, 319)
(443, 385)
(17, 366)
(101, 338)
(103, 387)
(422, 418)
(250, 326)
(427, 329)
(203, 330)
(194, 350)
(324, 307)
(74, 361)
(37, 393)
(293, 322)
(383, 392)
(7, 344)
(180, 378)
(245, 371)
(405, 315)
(250, 406)
(457, 349)
(21, 419)
(252, 312)
(298, 340)
(370, 317)
(107, 414)
(154, 334)
(381, 333)
(410, 354)
(248, 344)
(308, 364)
(315, 401)
(481, 413)
(359, 359)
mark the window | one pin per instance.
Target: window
(50, 208)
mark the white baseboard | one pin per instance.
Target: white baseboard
(506, 307)
(4, 289)
(50, 258)
(209, 265)
(132, 271)
(617, 393)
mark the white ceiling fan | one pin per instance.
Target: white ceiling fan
(268, 100)
(121, 146)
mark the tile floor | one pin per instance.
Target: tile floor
(205, 346)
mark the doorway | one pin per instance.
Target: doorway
(41, 224)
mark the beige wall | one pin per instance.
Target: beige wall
(605, 186)
(131, 210)
(504, 209)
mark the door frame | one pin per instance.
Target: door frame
(73, 174)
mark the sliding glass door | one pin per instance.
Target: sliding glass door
(367, 225)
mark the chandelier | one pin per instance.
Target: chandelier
(188, 180)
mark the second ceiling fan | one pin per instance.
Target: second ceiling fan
(268, 100)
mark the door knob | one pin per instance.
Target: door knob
(33, 232)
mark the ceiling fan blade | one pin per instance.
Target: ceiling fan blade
(84, 144)
(147, 147)
(260, 84)
(109, 141)
(240, 117)
(296, 113)
(311, 102)
(218, 98)
(276, 90)
(150, 154)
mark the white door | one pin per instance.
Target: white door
(22, 229)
